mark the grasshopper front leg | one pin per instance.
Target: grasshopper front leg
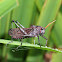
(19, 45)
(39, 41)
(45, 38)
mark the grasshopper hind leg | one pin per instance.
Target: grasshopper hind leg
(11, 37)
(39, 42)
(20, 24)
(9, 42)
(19, 45)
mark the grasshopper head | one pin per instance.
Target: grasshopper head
(42, 31)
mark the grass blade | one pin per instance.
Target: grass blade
(30, 45)
(6, 6)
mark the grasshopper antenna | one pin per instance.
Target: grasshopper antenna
(50, 24)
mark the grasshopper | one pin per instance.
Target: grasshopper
(21, 32)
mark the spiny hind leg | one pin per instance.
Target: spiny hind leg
(20, 24)
(19, 27)
(20, 44)
(11, 37)
(10, 42)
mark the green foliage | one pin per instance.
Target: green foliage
(30, 45)
(31, 12)
(6, 6)
(57, 57)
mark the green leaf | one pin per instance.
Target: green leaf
(6, 6)
(57, 31)
(56, 57)
(39, 4)
(30, 45)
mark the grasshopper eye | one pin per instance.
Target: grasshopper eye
(42, 30)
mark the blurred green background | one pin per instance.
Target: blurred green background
(31, 12)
